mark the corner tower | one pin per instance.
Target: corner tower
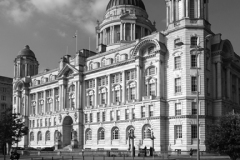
(25, 64)
(124, 22)
(187, 24)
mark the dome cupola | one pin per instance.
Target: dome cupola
(136, 3)
(124, 22)
(26, 52)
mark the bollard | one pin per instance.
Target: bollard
(42, 158)
(103, 157)
(83, 157)
(93, 157)
(124, 157)
(31, 158)
(62, 158)
(72, 157)
(52, 158)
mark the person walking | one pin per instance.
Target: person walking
(191, 152)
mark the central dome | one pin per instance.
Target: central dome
(26, 52)
(137, 3)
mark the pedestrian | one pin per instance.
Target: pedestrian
(145, 151)
(191, 152)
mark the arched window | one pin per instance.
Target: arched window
(101, 134)
(117, 58)
(48, 136)
(130, 129)
(115, 133)
(103, 63)
(89, 135)
(39, 136)
(90, 66)
(42, 80)
(31, 136)
(147, 132)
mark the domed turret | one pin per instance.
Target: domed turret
(136, 3)
(26, 52)
(26, 63)
(124, 22)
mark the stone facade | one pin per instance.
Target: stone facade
(139, 79)
(5, 93)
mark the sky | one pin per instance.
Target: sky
(48, 26)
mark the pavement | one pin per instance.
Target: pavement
(180, 157)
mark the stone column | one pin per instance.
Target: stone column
(202, 9)
(231, 82)
(121, 31)
(134, 31)
(123, 87)
(187, 8)
(138, 89)
(96, 92)
(36, 110)
(113, 33)
(45, 102)
(109, 90)
(114, 99)
(228, 83)
(167, 17)
(177, 10)
(172, 11)
(159, 80)
(131, 31)
(61, 97)
(100, 38)
(75, 96)
(124, 31)
(26, 70)
(184, 8)
(97, 42)
(207, 10)
(53, 101)
(199, 8)
(219, 80)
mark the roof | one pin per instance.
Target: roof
(137, 3)
(26, 52)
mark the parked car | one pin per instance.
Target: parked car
(17, 148)
(48, 149)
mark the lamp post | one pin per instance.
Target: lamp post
(198, 48)
(132, 136)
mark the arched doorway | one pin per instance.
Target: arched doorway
(67, 129)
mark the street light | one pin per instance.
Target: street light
(198, 48)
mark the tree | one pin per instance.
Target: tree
(12, 128)
(224, 137)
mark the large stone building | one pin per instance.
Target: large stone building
(5, 93)
(139, 79)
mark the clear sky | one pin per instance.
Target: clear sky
(48, 26)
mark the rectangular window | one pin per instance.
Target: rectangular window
(118, 115)
(178, 109)
(177, 62)
(112, 115)
(194, 108)
(117, 93)
(194, 41)
(132, 93)
(103, 116)
(91, 118)
(178, 85)
(3, 98)
(194, 84)
(98, 116)
(151, 111)
(194, 131)
(133, 113)
(90, 100)
(178, 131)
(86, 118)
(126, 114)
(193, 61)
(103, 96)
(152, 89)
(143, 110)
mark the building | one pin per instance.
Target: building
(139, 79)
(5, 93)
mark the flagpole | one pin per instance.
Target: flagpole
(76, 41)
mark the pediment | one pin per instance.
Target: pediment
(67, 71)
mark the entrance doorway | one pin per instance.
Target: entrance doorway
(67, 130)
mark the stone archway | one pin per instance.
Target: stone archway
(67, 130)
